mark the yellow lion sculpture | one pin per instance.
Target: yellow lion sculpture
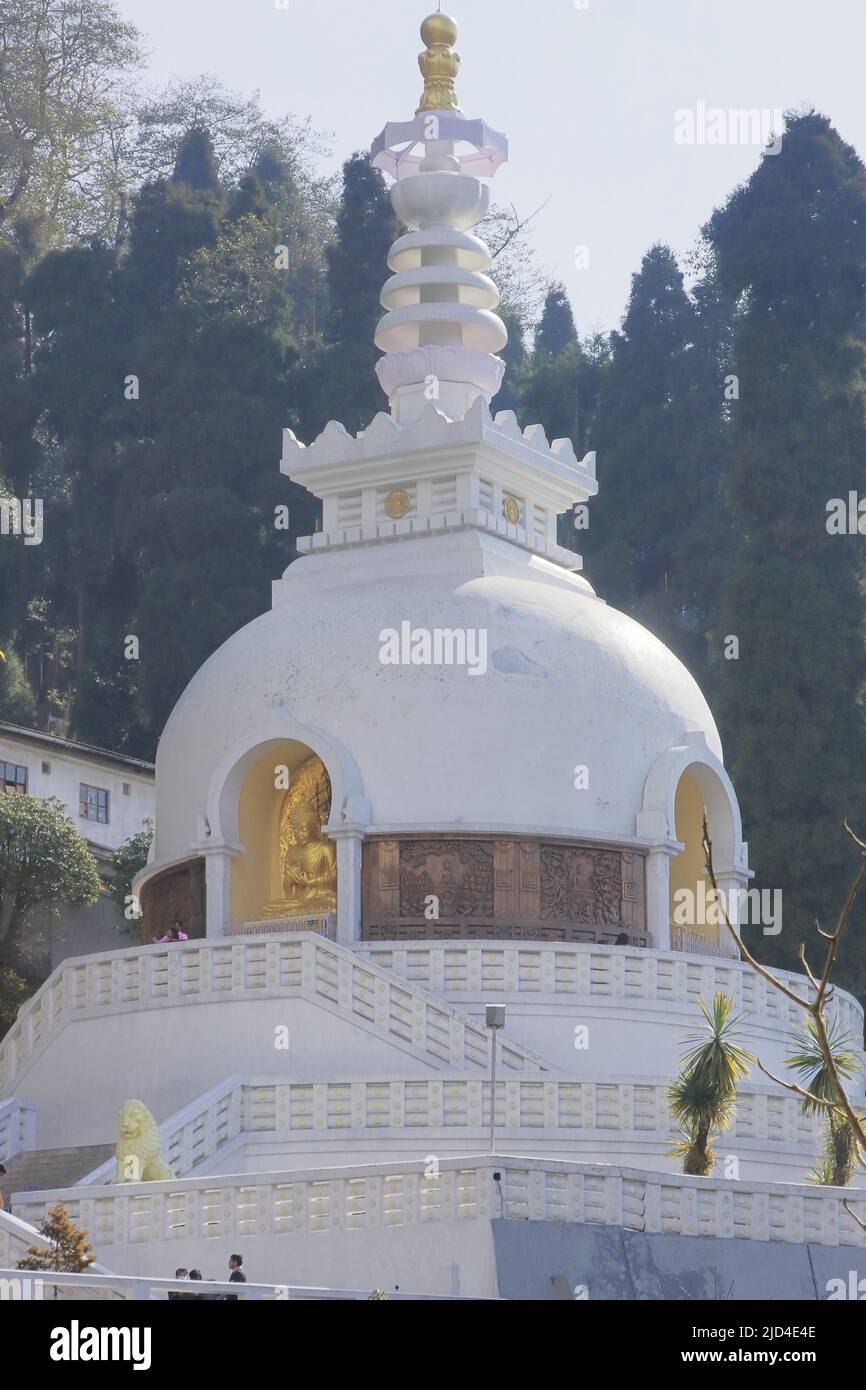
(139, 1146)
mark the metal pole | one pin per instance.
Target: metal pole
(493, 1091)
(494, 1017)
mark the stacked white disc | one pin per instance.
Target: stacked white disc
(440, 334)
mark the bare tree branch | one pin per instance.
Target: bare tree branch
(518, 227)
(823, 991)
(860, 1222)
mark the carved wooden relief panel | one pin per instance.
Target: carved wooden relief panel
(458, 872)
(179, 892)
(501, 889)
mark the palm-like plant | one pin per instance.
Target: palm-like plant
(838, 1161)
(703, 1095)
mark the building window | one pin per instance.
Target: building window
(127, 789)
(46, 769)
(93, 804)
(13, 778)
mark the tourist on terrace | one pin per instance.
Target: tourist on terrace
(237, 1276)
(174, 933)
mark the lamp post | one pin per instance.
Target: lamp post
(495, 1019)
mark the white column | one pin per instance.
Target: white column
(349, 840)
(658, 907)
(218, 880)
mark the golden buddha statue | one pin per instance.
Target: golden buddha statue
(308, 863)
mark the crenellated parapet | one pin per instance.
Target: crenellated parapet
(398, 480)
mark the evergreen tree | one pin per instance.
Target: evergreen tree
(85, 354)
(357, 259)
(20, 454)
(69, 1251)
(556, 331)
(340, 381)
(249, 199)
(659, 431)
(17, 704)
(790, 246)
(196, 164)
(561, 393)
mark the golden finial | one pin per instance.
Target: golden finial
(439, 63)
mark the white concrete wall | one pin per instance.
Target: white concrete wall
(166, 1057)
(442, 1258)
(624, 1037)
(68, 770)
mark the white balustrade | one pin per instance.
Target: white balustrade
(207, 971)
(311, 1202)
(554, 969)
(17, 1128)
(370, 1108)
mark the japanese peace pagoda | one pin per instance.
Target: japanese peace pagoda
(367, 853)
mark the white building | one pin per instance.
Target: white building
(516, 782)
(108, 796)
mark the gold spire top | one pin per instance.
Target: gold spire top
(439, 64)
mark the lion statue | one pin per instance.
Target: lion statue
(139, 1146)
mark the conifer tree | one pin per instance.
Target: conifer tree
(790, 245)
(556, 330)
(357, 259)
(657, 528)
(69, 1251)
(340, 382)
(196, 164)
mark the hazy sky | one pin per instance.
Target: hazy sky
(587, 96)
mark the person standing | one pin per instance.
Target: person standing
(236, 1276)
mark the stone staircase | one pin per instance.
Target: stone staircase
(46, 1169)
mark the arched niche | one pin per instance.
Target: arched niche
(256, 878)
(268, 745)
(688, 868)
(348, 804)
(687, 783)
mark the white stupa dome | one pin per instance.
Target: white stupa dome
(569, 682)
